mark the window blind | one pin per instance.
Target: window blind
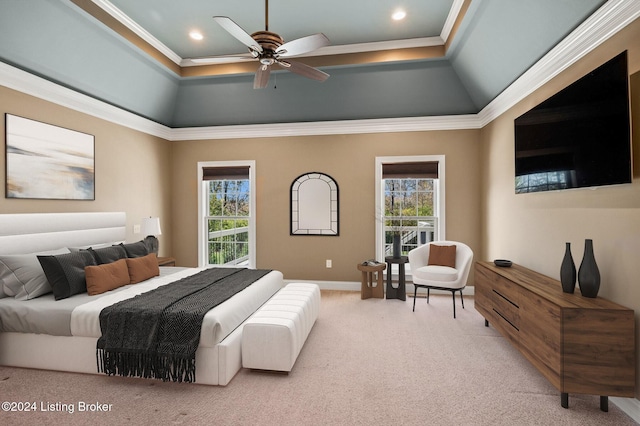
(225, 173)
(415, 170)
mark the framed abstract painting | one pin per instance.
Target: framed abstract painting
(44, 161)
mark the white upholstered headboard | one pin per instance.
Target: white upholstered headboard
(35, 232)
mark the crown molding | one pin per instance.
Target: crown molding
(451, 20)
(119, 15)
(345, 49)
(608, 20)
(613, 16)
(30, 84)
(345, 127)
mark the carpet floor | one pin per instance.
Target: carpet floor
(365, 362)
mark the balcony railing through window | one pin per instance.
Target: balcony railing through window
(414, 231)
(228, 242)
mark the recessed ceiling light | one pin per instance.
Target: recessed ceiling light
(196, 35)
(398, 15)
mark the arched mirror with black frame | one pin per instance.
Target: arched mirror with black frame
(314, 205)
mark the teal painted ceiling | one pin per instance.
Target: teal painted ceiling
(344, 22)
(490, 46)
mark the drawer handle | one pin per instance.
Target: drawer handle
(504, 318)
(505, 298)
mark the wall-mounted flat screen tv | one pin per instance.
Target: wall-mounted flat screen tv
(580, 137)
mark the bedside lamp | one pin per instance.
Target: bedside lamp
(151, 228)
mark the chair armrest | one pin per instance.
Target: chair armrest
(418, 258)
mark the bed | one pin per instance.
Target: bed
(61, 335)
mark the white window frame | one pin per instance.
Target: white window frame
(440, 234)
(203, 205)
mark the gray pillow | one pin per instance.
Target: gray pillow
(65, 272)
(22, 277)
(108, 254)
(138, 249)
(93, 246)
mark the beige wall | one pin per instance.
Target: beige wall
(132, 169)
(350, 160)
(531, 229)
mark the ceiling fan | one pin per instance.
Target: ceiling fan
(269, 48)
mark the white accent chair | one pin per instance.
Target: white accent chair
(440, 277)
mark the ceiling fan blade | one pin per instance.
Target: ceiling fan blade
(304, 70)
(303, 45)
(236, 31)
(261, 79)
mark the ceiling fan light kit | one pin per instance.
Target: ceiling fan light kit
(268, 47)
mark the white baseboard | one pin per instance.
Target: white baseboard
(331, 285)
(630, 406)
(355, 286)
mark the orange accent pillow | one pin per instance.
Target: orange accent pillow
(108, 276)
(442, 255)
(142, 268)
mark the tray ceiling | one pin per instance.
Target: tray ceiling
(446, 57)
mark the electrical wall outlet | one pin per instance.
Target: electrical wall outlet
(328, 262)
(136, 229)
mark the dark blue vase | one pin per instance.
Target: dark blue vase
(588, 274)
(397, 246)
(568, 271)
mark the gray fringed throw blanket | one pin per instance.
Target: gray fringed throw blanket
(156, 334)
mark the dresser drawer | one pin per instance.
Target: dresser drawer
(507, 290)
(504, 307)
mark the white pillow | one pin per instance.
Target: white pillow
(22, 276)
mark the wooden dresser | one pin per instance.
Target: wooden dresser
(581, 345)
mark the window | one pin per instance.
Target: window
(545, 181)
(410, 202)
(226, 223)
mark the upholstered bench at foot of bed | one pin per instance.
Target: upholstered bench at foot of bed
(273, 337)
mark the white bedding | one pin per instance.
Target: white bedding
(217, 323)
(85, 319)
(45, 315)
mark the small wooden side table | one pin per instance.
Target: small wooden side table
(368, 289)
(166, 261)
